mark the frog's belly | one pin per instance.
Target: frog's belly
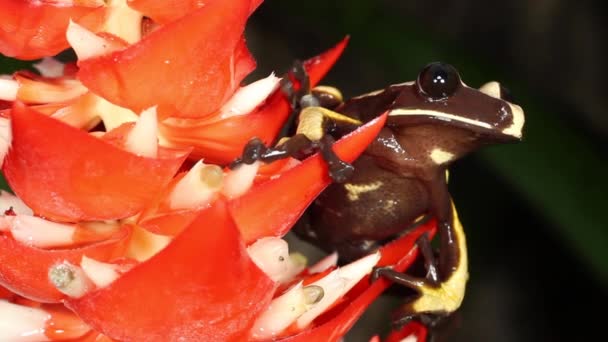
(375, 204)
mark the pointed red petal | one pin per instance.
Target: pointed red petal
(28, 276)
(318, 66)
(32, 29)
(66, 174)
(201, 287)
(163, 12)
(222, 141)
(185, 67)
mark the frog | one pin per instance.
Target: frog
(401, 177)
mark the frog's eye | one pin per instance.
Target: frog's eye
(438, 81)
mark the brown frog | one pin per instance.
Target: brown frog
(401, 177)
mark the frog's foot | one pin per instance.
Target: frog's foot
(304, 96)
(256, 150)
(295, 75)
(437, 324)
(433, 299)
(430, 262)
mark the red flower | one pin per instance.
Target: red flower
(115, 224)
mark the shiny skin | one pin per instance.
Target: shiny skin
(402, 175)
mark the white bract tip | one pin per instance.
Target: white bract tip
(38, 232)
(6, 137)
(239, 180)
(70, 280)
(144, 244)
(101, 274)
(296, 264)
(10, 201)
(337, 284)
(122, 21)
(8, 89)
(325, 263)
(87, 44)
(410, 338)
(271, 255)
(50, 67)
(284, 310)
(247, 98)
(143, 140)
(198, 187)
(112, 115)
(85, 3)
(21, 323)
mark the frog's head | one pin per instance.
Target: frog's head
(438, 96)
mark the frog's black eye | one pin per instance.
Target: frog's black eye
(438, 81)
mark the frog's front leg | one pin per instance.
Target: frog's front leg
(315, 123)
(316, 119)
(312, 134)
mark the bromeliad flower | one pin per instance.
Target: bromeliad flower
(126, 224)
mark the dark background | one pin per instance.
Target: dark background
(534, 212)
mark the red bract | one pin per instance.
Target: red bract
(334, 324)
(66, 174)
(34, 29)
(201, 287)
(165, 11)
(24, 269)
(222, 141)
(221, 263)
(5, 293)
(187, 68)
(267, 210)
(413, 328)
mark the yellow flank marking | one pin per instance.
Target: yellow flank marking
(354, 190)
(439, 156)
(389, 205)
(449, 295)
(334, 92)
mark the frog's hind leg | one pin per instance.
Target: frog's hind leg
(435, 298)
